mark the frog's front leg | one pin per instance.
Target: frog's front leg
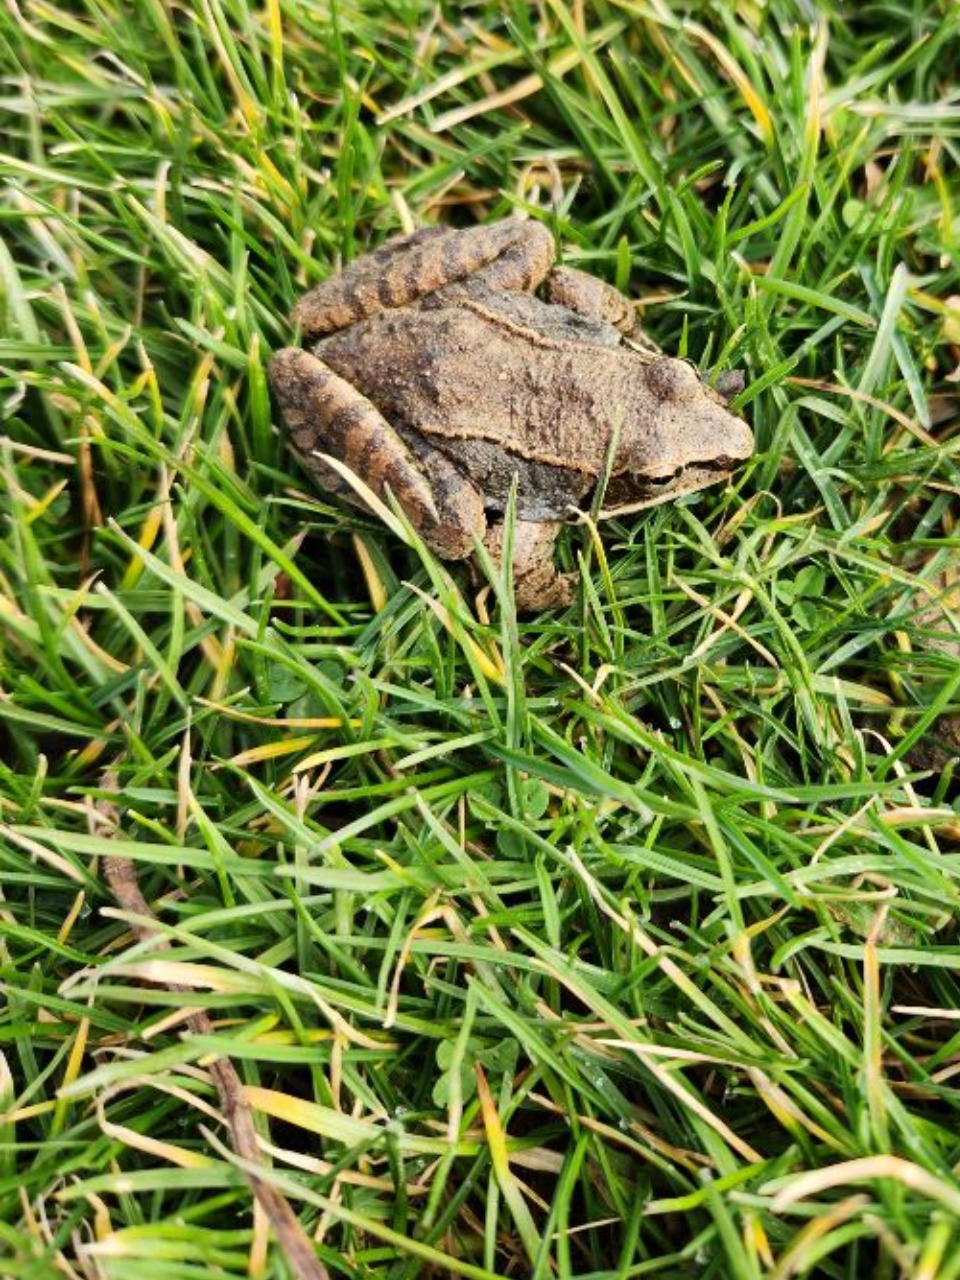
(325, 414)
(510, 255)
(588, 296)
(537, 583)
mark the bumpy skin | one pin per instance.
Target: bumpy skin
(439, 376)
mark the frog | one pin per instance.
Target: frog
(465, 373)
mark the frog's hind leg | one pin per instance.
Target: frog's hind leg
(520, 256)
(510, 255)
(325, 414)
(366, 285)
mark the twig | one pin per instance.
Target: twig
(121, 876)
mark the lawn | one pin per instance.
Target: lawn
(610, 941)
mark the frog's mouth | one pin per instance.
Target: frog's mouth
(626, 493)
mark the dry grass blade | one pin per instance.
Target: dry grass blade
(121, 875)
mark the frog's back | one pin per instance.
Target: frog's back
(468, 377)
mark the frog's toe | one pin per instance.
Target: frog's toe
(544, 588)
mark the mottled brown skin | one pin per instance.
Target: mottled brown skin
(439, 376)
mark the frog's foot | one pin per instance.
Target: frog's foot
(510, 255)
(537, 584)
(325, 414)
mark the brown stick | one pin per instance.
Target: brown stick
(121, 875)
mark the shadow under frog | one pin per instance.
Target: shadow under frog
(436, 373)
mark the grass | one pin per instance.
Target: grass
(606, 943)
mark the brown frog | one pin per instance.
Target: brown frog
(438, 375)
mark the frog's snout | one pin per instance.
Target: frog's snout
(737, 442)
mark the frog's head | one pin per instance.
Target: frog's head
(678, 436)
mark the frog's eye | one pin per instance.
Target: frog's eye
(673, 380)
(664, 482)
